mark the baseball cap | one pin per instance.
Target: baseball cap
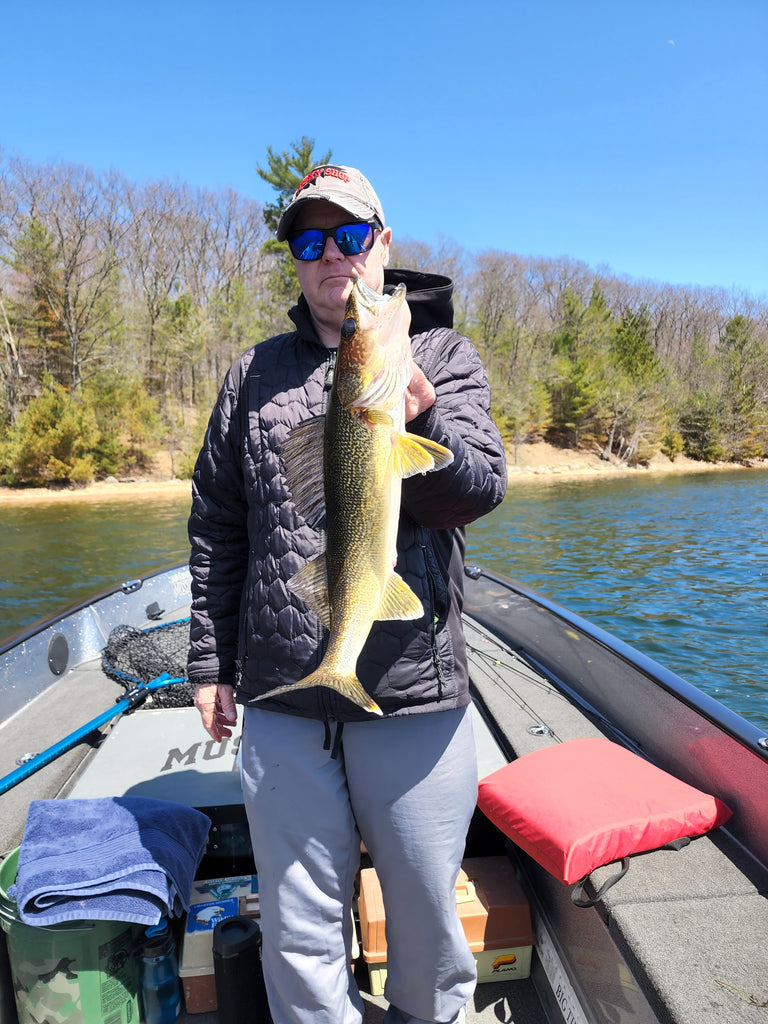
(343, 186)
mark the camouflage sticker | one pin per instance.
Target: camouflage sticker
(47, 990)
(62, 990)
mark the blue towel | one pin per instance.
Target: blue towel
(123, 858)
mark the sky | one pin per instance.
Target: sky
(631, 135)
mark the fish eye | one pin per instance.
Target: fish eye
(348, 328)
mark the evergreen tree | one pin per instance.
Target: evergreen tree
(579, 347)
(744, 363)
(285, 172)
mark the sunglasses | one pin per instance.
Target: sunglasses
(350, 239)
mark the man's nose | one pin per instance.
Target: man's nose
(331, 250)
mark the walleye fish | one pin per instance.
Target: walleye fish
(356, 486)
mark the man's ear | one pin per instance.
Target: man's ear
(385, 238)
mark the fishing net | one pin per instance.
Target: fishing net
(140, 655)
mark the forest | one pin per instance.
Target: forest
(123, 303)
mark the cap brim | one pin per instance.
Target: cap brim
(350, 204)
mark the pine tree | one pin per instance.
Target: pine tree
(285, 172)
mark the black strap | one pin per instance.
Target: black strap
(337, 741)
(677, 844)
(580, 900)
(336, 747)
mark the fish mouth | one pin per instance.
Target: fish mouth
(366, 299)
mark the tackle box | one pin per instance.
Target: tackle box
(494, 913)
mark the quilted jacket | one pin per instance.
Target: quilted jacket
(248, 540)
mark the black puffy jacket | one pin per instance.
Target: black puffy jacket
(248, 540)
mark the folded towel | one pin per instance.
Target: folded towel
(123, 858)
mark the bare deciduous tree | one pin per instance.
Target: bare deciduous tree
(68, 236)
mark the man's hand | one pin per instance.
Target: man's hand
(419, 395)
(216, 704)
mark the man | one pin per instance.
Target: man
(405, 783)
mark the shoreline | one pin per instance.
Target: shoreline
(134, 489)
(539, 463)
(543, 463)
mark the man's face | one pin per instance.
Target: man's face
(327, 282)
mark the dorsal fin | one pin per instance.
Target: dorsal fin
(310, 583)
(302, 453)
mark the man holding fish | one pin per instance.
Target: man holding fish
(340, 465)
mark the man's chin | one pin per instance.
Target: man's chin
(338, 290)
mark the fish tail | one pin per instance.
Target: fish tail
(347, 685)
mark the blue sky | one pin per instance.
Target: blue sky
(631, 135)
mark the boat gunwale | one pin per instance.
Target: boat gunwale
(717, 713)
(126, 587)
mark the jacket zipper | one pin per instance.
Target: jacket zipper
(436, 659)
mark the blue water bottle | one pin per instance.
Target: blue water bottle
(160, 992)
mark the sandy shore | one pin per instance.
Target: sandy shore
(138, 489)
(541, 462)
(538, 463)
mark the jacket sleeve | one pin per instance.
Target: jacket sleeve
(218, 534)
(460, 419)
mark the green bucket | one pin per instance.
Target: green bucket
(84, 972)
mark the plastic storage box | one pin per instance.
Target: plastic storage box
(493, 910)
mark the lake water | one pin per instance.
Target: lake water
(675, 566)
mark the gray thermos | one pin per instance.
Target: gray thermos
(240, 991)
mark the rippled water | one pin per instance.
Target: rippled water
(52, 555)
(675, 566)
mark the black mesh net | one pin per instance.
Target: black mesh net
(140, 655)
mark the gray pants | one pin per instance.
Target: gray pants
(408, 787)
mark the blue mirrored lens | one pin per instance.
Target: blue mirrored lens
(307, 245)
(354, 238)
(351, 239)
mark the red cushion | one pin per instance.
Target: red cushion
(587, 802)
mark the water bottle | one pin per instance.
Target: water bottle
(160, 991)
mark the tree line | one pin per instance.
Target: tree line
(122, 304)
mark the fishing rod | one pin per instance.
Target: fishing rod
(131, 699)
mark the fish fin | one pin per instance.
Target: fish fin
(376, 418)
(347, 686)
(387, 387)
(302, 453)
(310, 583)
(412, 454)
(399, 601)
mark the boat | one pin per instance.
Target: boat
(682, 938)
